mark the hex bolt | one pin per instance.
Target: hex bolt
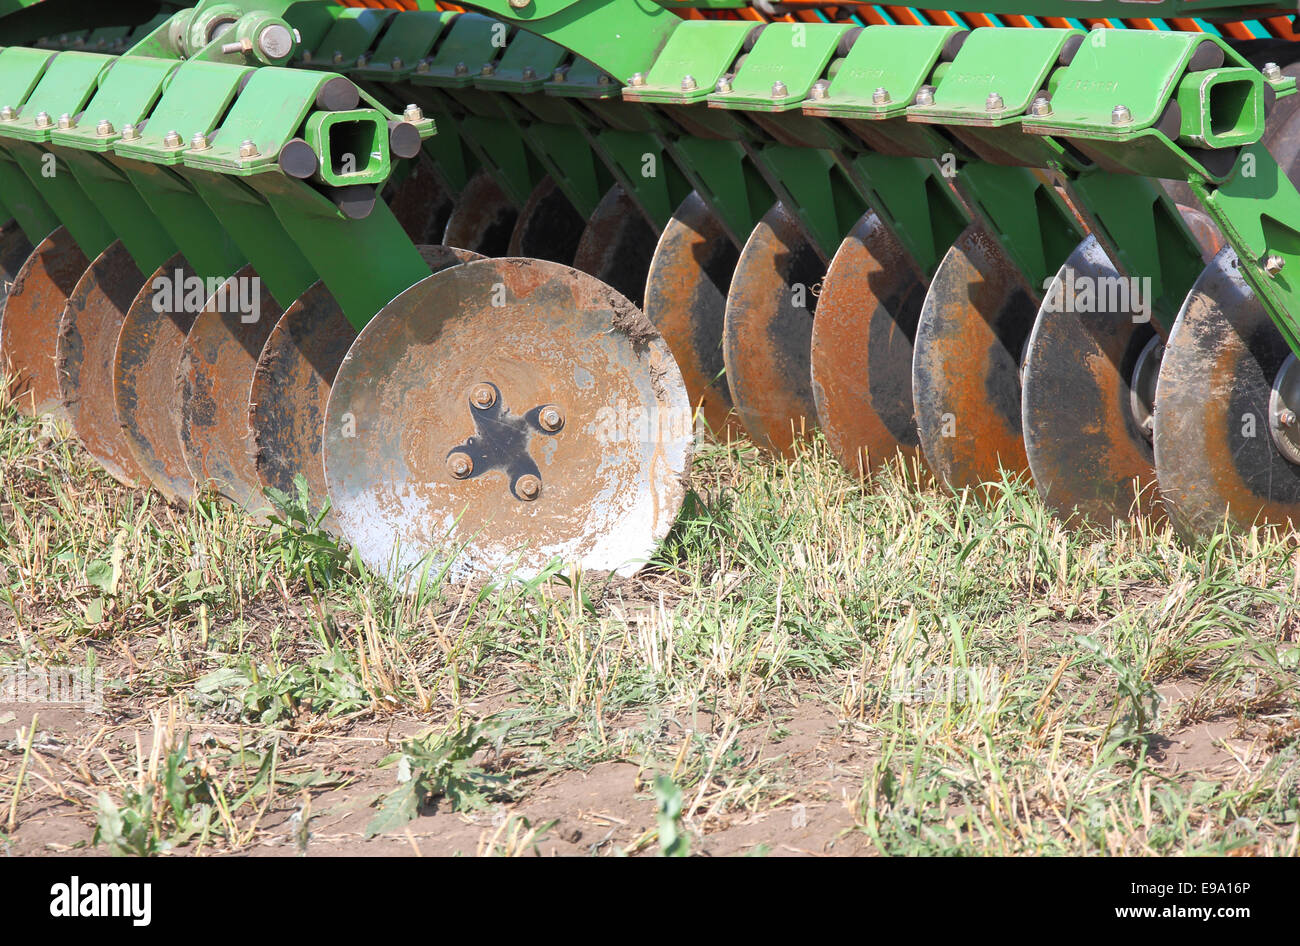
(779, 90)
(248, 148)
(460, 465)
(43, 120)
(1272, 71)
(603, 80)
(104, 128)
(363, 60)
(994, 103)
(488, 69)
(7, 114)
(529, 73)
(560, 74)
(483, 396)
(519, 4)
(199, 142)
(1286, 417)
(462, 69)
(130, 132)
(551, 418)
(67, 121)
(636, 79)
(880, 96)
(172, 139)
(820, 89)
(422, 65)
(1120, 115)
(925, 96)
(688, 83)
(723, 86)
(396, 63)
(528, 487)
(413, 113)
(237, 48)
(1042, 106)
(1273, 264)
(275, 41)
(306, 55)
(337, 57)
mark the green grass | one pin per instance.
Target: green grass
(999, 671)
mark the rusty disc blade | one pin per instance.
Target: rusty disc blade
(14, 250)
(421, 204)
(483, 218)
(617, 245)
(686, 300)
(216, 375)
(29, 328)
(862, 349)
(88, 334)
(549, 227)
(146, 383)
(445, 380)
(1215, 455)
(291, 383)
(974, 324)
(1088, 448)
(767, 335)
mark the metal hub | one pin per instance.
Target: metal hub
(1142, 386)
(1284, 409)
(501, 441)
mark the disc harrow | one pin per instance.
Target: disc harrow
(474, 278)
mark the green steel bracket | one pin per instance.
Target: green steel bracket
(364, 263)
(1143, 233)
(989, 86)
(348, 40)
(693, 61)
(471, 42)
(405, 46)
(913, 199)
(195, 100)
(723, 174)
(1021, 208)
(1257, 209)
(620, 37)
(779, 72)
(480, 119)
(195, 230)
(255, 229)
(816, 188)
(20, 71)
(210, 217)
(526, 65)
(883, 72)
(643, 166)
(351, 146)
(871, 88)
(66, 84)
(124, 98)
(583, 79)
(557, 143)
(1148, 103)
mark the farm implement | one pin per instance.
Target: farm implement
(475, 276)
